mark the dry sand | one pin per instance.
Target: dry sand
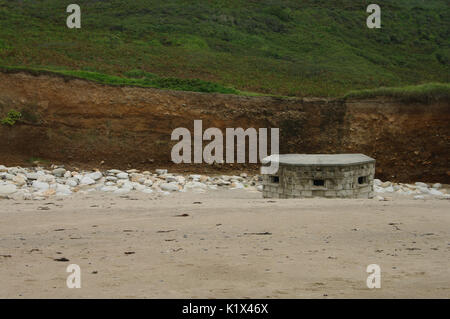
(232, 244)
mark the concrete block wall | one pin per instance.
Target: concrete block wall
(349, 181)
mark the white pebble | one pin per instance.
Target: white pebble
(40, 185)
(122, 175)
(87, 181)
(7, 189)
(172, 187)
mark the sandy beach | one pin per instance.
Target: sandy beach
(223, 244)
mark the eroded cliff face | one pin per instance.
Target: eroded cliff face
(77, 121)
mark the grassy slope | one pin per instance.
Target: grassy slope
(424, 93)
(132, 78)
(290, 47)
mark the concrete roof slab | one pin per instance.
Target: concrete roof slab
(318, 159)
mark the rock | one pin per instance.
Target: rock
(22, 194)
(386, 184)
(380, 198)
(7, 176)
(67, 174)
(87, 181)
(46, 178)
(72, 182)
(95, 176)
(124, 183)
(236, 185)
(49, 192)
(3, 168)
(171, 187)
(148, 182)
(122, 175)
(437, 186)
(161, 171)
(16, 170)
(446, 196)
(111, 178)
(109, 188)
(19, 180)
(244, 175)
(221, 182)
(7, 189)
(435, 192)
(63, 190)
(181, 180)
(59, 172)
(419, 197)
(193, 185)
(170, 179)
(114, 171)
(423, 190)
(389, 189)
(420, 184)
(137, 177)
(147, 191)
(259, 188)
(139, 187)
(40, 185)
(33, 176)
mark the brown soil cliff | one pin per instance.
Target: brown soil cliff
(77, 121)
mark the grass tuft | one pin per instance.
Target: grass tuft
(424, 93)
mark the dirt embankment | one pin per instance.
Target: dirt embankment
(77, 121)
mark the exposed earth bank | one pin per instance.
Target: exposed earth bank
(77, 121)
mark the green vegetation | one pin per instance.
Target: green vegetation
(135, 79)
(425, 93)
(37, 160)
(288, 47)
(11, 118)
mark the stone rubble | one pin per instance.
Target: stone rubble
(418, 190)
(39, 183)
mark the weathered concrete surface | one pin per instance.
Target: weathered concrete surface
(319, 159)
(339, 175)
